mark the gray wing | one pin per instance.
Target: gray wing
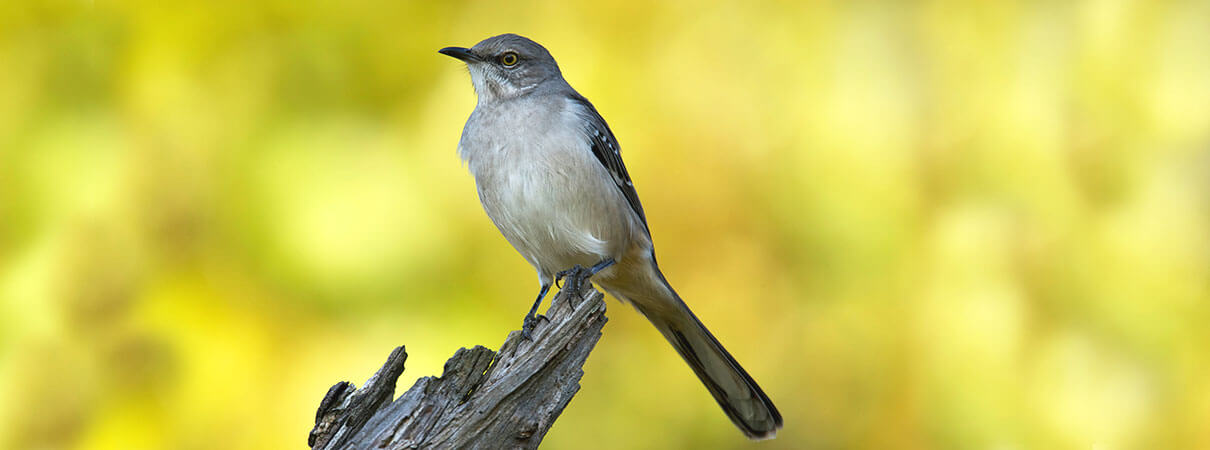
(605, 148)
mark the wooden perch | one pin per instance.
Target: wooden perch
(484, 399)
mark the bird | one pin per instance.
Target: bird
(549, 174)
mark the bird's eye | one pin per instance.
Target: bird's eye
(509, 59)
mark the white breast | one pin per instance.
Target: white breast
(542, 186)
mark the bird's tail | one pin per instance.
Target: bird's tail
(734, 390)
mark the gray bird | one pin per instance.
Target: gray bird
(550, 176)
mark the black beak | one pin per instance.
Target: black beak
(458, 52)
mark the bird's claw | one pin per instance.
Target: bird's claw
(564, 273)
(575, 277)
(528, 325)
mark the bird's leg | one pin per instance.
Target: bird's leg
(575, 280)
(578, 274)
(604, 264)
(531, 319)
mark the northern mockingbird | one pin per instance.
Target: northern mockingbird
(551, 178)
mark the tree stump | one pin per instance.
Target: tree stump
(483, 399)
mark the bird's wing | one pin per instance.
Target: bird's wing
(607, 151)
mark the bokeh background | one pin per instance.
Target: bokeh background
(919, 224)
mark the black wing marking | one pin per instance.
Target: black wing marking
(607, 151)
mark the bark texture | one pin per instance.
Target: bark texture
(484, 399)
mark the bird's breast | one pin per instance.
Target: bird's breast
(545, 191)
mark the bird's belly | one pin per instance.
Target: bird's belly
(556, 216)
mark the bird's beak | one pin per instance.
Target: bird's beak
(459, 52)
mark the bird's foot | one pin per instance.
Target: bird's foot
(575, 277)
(528, 325)
(531, 319)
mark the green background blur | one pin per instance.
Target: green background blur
(917, 224)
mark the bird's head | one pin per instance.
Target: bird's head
(507, 66)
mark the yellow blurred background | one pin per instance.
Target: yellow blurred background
(918, 224)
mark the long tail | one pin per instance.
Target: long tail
(734, 390)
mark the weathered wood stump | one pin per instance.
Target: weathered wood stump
(484, 399)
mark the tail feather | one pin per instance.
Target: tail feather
(735, 391)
